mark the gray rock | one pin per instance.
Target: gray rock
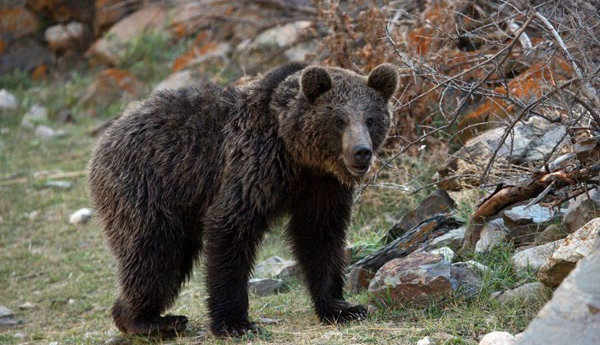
(570, 250)
(525, 223)
(60, 37)
(453, 239)
(8, 100)
(80, 216)
(48, 133)
(20, 336)
(265, 286)
(178, 80)
(519, 215)
(59, 184)
(481, 268)
(533, 258)
(498, 338)
(7, 317)
(492, 234)
(276, 267)
(36, 114)
(424, 341)
(573, 315)
(527, 293)
(268, 321)
(419, 278)
(582, 210)
(445, 252)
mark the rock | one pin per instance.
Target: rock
(492, 234)
(268, 321)
(7, 317)
(572, 316)
(113, 85)
(26, 55)
(17, 22)
(63, 11)
(8, 100)
(59, 184)
(265, 286)
(282, 35)
(582, 210)
(36, 114)
(532, 259)
(203, 51)
(27, 306)
(445, 252)
(530, 141)
(437, 203)
(358, 280)
(47, 133)
(524, 223)
(417, 279)
(553, 232)
(111, 49)
(19, 336)
(469, 278)
(276, 267)
(80, 216)
(527, 293)
(453, 239)
(498, 338)
(109, 12)
(62, 37)
(178, 80)
(424, 341)
(572, 249)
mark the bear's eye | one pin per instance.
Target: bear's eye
(369, 121)
(339, 122)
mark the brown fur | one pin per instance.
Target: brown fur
(208, 168)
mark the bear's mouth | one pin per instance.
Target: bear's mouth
(358, 170)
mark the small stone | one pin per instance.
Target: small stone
(80, 216)
(27, 306)
(533, 258)
(59, 184)
(47, 133)
(34, 115)
(20, 336)
(8, 100)
(492, 234)
(276, 267)
(267, 321)
(445, 252)
(424, 341)
(178, 80)
(519, 215)
(477, 266)
(527, 293)
(453, 239)
(358, 280)
(265, 286)
(7, 317)
(60, 37)
(498, 338)
(53, 343)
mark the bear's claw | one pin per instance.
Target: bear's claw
(237, 329)
(348, 313)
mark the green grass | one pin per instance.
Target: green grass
(68, 274)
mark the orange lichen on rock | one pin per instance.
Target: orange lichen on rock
(17, 22)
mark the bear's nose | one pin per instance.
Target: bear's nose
(362, 154)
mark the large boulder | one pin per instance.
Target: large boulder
(420, 278)
(112, 48)
(572, 316)
(532, 259)
(572, 249)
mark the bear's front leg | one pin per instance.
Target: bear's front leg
(317, 229)
(232, 235)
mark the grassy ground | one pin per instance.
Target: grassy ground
(59, 278)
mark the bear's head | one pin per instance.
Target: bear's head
(334, 120)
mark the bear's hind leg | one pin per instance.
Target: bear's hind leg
(152, 271)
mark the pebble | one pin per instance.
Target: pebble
(7, 100)
(59, 184)
(80, 216)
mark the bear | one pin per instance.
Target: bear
(206, 170)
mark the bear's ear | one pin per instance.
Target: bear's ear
(314, 81)
(384, 78)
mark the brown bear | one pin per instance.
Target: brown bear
(207, 169)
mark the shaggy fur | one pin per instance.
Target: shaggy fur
(207, 169)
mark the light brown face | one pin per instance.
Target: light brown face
(345, 119)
